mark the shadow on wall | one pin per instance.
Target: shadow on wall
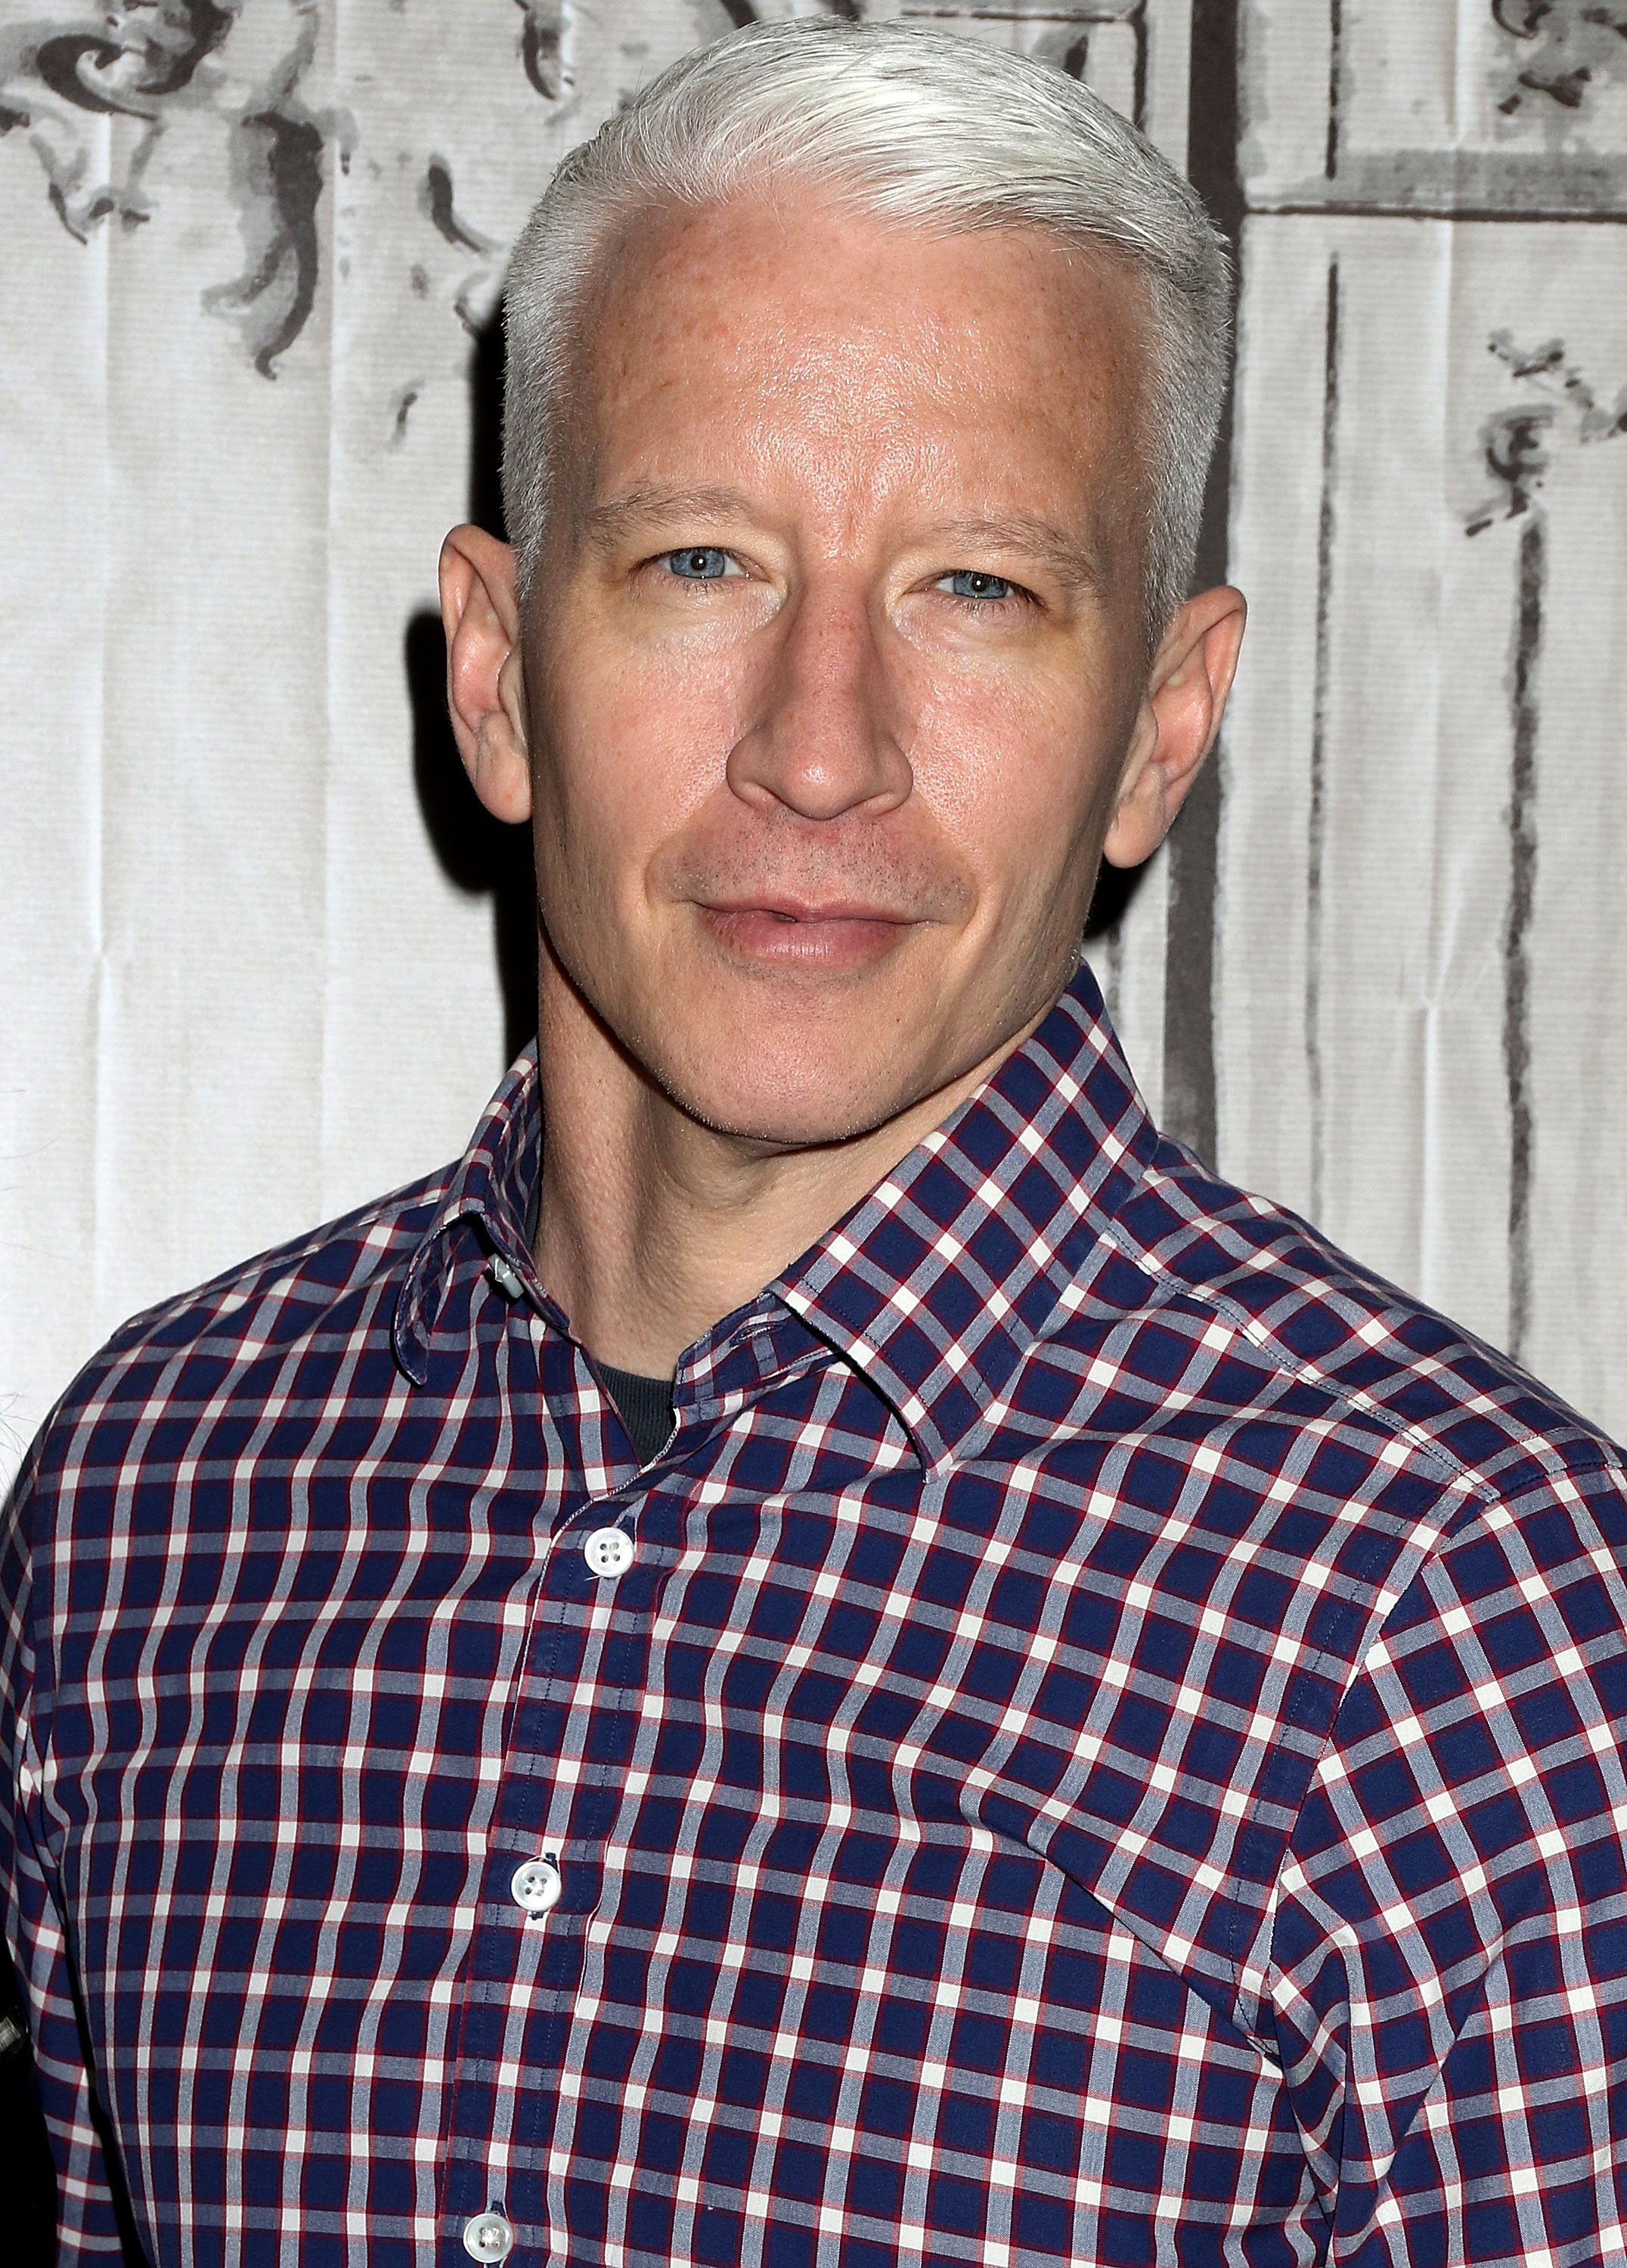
(476, 852)
(1116, 888)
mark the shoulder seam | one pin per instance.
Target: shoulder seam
(1259, 1337)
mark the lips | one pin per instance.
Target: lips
(792, 934)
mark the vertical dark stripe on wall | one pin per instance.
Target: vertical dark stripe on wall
(1336, 84)
(1317, 822)
(1138, 19)
(1533, 573)
(1190, 1101)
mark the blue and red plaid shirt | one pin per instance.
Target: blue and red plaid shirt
(1098, 1740)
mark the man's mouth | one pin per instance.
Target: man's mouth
(793, 934)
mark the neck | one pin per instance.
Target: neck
(652, 1227)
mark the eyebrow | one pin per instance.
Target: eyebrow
(1074, 559)
(607, 520)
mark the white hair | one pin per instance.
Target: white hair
(910, 125)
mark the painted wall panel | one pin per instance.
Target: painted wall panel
(53, 410)
(1420, 970)
(1449, 105)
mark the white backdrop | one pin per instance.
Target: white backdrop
(248, 950)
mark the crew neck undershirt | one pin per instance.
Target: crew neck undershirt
(644, 1405)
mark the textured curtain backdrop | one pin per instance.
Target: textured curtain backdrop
(261, 959)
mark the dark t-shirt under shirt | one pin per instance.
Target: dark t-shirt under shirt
(644, 1406)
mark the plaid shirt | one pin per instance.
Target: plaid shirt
(1096, 1741)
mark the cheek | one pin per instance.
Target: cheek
(1020, 771)
(627, 752)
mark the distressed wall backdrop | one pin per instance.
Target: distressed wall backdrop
(258, 958)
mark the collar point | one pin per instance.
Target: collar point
(408, 1341)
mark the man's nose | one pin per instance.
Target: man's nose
(826, 735)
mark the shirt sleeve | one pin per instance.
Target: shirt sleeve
(1446, 1984)
(30, 1908)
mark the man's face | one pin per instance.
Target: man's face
(833, 657)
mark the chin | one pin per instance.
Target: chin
(794, 1104)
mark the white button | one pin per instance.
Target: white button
(536, 1886)
(488, 2236)
(609, 1551)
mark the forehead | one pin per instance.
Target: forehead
(789, 328)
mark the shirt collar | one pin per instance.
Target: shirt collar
(937, 1284)
(491, 1188)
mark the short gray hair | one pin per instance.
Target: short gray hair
(913, 126)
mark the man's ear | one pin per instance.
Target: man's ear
(1176, 725)
(485, 685)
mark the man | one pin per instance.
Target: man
(826, 1651)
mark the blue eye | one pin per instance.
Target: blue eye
(699, 562)
(971, 583)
